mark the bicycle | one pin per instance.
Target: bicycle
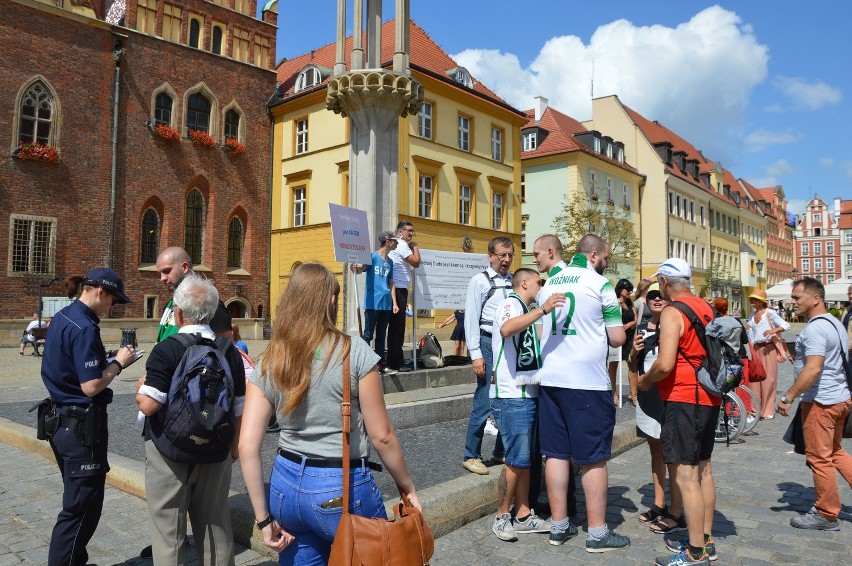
(734, 408)
(743, 392)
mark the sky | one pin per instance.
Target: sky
(762, 86)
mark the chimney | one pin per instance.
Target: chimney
(540, 106)
(836, 208)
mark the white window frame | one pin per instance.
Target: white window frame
(300, 206)
(806, 265)
(425, 187)
(464, 132)
(609, 189)
(817, 248)
(829, 247)
(465, 198)
(497, 209)
(849, 237)
(625, 194)
(849, 259)
(496, 144)
(424, 121)
(301, 136)
(701, 212)
(530, 141)
(829, 263)
(806, 248)
(818, 264)
(307, 78)
(817, 217)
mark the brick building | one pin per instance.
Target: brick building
(130, 126)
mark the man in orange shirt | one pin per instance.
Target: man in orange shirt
(689, 416)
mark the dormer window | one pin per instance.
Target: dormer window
(461, 76)
(609, 150)
(597, 144)
(307, 78)
(530, 140)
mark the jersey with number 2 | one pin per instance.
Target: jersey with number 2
(573, 337)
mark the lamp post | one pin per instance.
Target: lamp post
(759, 265)
(795, 273)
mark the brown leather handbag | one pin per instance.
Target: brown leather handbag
(404, 540)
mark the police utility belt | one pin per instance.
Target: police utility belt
(85, 421)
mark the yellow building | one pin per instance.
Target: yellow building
(563, 160)
(459, 159)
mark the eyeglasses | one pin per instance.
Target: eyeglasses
(506, 255)
(655, 297)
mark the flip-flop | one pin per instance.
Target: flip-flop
(661, 528)
(653, 514)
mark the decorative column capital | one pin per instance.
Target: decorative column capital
(360, 89)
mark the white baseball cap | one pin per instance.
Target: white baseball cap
(674, 267)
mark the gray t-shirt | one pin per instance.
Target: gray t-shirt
(826, 339)
(314, 428)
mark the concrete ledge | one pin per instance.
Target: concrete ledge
(447, 506)
(428, 378)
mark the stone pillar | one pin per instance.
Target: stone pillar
(340, 47)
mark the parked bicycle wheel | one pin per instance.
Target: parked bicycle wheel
(749, 399)
(735, 409)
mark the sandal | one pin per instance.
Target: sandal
(653, 514)
(661, 527)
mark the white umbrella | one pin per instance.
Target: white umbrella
(780, 291)
(836, 290)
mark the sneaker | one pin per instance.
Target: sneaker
(679, 545)
(750, 419)
(559, 537)
(502, 527)
(490, 427)
(498, 459)
(612, 541)
(533, 524)
(389, 371)
(814, 521)
(681, 559)
(475, 465)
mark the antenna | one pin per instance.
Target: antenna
(593, 78)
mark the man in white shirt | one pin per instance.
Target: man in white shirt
(29, 338)
(484, 292)
(405, 256)
(573, 374)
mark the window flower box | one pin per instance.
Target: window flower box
(594, 196)
(234, 147)
(626, 207)
(201, 138)
(610, 202)
(36, 152)
(166, 132)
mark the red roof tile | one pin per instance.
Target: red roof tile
(425, 56)
(845, 221)
(560, 137)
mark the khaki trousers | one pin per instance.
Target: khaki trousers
(173, 489)
(823, 429)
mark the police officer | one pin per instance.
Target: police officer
(77, 374)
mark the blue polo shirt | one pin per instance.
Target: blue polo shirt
(74, 354)
(378, 281)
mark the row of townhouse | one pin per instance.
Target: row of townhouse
(824, 240)
(130, 126)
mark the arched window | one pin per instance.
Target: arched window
(194, 225)
(194, 33)
(216, 44)
(307, 78)
(198, 113)
(462, 76)
(163, 109)
(150, 237)
(37, 115)
(232, 124)
(235, 243)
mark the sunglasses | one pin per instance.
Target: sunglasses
(655, 296)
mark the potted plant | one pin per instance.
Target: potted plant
(234, 147)
(166, 132)
(626, 206)
(610, 202)
(35, 151)
(594, 196)
(201, 138)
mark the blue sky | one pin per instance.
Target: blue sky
(764, 87)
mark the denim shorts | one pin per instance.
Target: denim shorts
(296, 495)
(576, 424)
(516, 421)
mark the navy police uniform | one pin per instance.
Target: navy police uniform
(73, 354)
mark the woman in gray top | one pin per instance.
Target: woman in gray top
(299, 379)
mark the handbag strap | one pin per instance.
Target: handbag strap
(345, 414)
(842, 353)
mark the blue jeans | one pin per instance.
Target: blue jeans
(481, 408)
(377, 322)
(296, 495)
(517, 421)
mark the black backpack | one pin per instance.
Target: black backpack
(197, 423)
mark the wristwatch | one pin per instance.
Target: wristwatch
(785, 400)
(265, 523)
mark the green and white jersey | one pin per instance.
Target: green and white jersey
(573, 337)
(508, 381)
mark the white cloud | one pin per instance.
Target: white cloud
(760, 139)
(826, 161)
(780, 168)
(806, 95)
(695, 78)
(797, 206)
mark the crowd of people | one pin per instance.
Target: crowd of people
(522, 330)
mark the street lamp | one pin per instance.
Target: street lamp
(795, 273)
(759, 265)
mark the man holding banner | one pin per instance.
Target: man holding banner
(484, 292)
